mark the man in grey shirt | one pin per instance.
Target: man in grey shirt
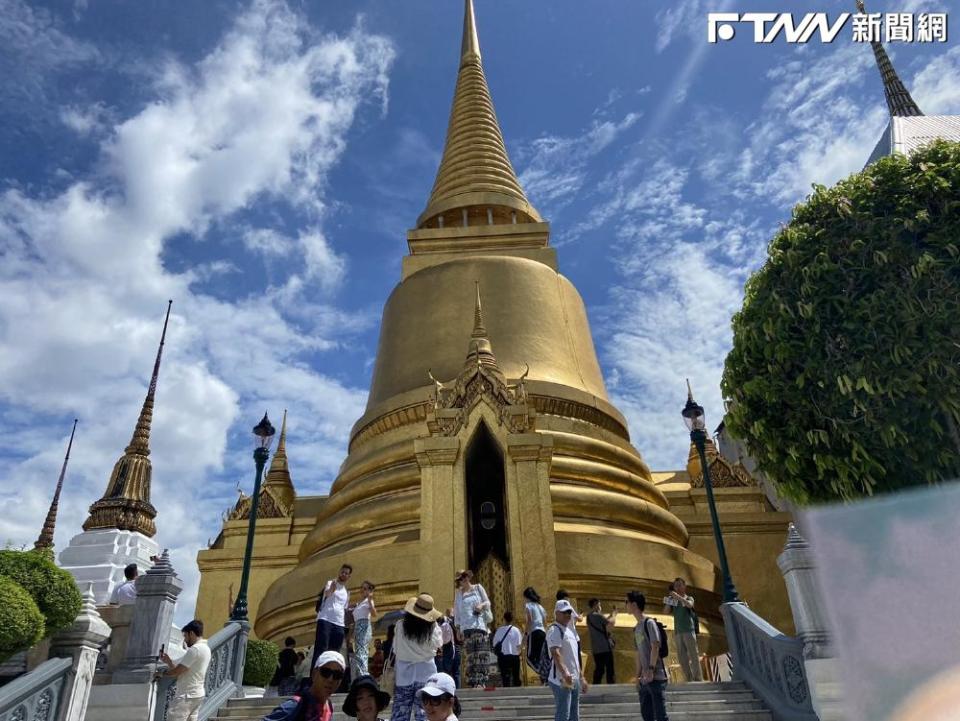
(651, 673)
(600, 641)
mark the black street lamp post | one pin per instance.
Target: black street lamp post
(263, 433)
(696, 422)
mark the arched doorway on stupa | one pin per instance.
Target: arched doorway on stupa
(488, 543)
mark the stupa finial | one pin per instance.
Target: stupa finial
(126, 504)
(475, 171)
(899, 101)
(50, 523)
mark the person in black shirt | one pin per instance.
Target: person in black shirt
(285, 677)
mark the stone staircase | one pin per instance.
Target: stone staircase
(685, 702)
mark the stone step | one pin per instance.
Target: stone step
(525, 711)
(630, 715)
(618, 702)
(614, 691)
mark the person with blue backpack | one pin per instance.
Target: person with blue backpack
(651, 640)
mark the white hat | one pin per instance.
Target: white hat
(563, 606)
(330, 657)
(437, 685)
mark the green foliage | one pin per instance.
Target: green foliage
(845, 368)
(261, 662)
(21, 623)
(52, 589)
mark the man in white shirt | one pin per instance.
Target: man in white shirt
(566, 678)
(126, 593)
(190, 672)
(331, 613)
(507, 639)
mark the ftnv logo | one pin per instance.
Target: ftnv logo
(767, 27)
(867, 27)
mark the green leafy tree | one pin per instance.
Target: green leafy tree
(21, 623)
(52, 589)
(845, 367)
(260, 663)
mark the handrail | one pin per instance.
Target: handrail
(224, 674)
(36, 695)
(770, 662)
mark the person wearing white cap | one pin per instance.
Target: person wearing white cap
(415, 646)
(314, 703)
(439, 698)
(566, 677)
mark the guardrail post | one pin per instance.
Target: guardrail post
(157, 592)
(81, 643)
(810, 617)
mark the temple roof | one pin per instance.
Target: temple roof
(475, 169)
(906, 134)
(278, 480)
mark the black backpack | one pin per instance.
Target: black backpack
(662, 632)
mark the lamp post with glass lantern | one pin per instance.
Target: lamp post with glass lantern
(263, 433)
(696, 422)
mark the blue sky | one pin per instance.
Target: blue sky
(261, 162)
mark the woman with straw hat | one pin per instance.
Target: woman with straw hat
(415, 647)
(365, 700)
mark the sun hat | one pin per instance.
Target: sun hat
(362, 682)
(330, 657)
(422, 607)
(437, 685)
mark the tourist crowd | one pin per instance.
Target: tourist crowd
(421, 658)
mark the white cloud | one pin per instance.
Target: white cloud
(555, 167)
(936, 88)
(263, 117)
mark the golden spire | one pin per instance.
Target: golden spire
(899, 101)
(126, 504)
(279, 483)
(475, 171)
(481, 351)
(479, 330)
(46, 534)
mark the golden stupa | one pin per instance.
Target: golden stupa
(488, 440)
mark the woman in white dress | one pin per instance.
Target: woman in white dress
(364, 614)
(472, 615)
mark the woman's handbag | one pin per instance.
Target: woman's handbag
(487, 612)
(388, 678)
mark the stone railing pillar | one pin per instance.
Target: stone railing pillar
(810, 618)
(240, 655)
(157, 592)
(81, 644)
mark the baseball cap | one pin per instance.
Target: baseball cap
(330, 657)
(563, 606)
(437, 685)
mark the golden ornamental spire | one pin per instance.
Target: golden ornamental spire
(481, 351)
(126, 504)
(899, 101)
(476, 183)
(279, 484)
(49, 525)
(479, 330)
